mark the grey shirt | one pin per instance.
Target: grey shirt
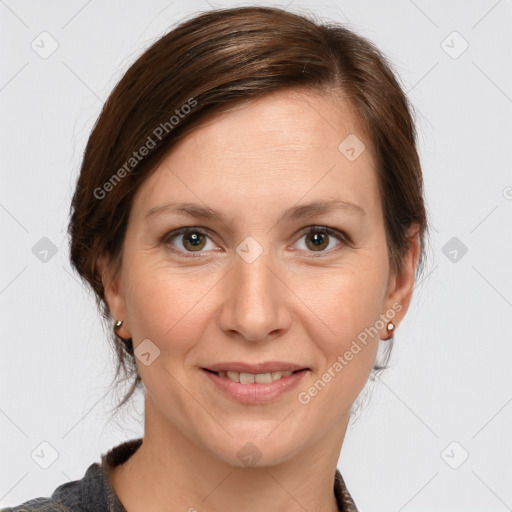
(94, 492)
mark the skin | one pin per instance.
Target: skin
(252, 164)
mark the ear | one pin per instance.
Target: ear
(114, 295)
(401, 285)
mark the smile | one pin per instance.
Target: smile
(252, 389)
(259, 378)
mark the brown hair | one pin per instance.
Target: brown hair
(210, 64)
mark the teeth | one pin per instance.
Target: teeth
(263, 378)
(246, 378)
(260, 378)
(233, 376)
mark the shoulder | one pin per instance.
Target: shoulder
(38, 505)
(343, 497)
(75, 496)
(92, 493)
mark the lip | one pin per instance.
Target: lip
(266, 367)
(254, 393)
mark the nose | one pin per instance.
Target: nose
(256, 301)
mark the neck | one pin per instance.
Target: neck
(169, 469)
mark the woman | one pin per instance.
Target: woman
(250, 216)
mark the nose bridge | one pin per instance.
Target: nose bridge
(254, 304)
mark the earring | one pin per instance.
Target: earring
(128, 342)
(390, 328)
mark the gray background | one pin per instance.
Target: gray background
(449, 393)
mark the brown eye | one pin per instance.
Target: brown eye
(193, 241)
(318, 239)
(190, 240)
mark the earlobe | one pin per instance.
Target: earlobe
(402, 285)
(114, 296)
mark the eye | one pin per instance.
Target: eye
(193, 240)
(318, 238)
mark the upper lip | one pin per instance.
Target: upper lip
(266, 367)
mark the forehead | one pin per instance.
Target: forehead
(274, 150)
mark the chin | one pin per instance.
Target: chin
(255, 448)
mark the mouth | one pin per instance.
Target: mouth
(254, 388)
(257, 378)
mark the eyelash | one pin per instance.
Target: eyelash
(326, 230)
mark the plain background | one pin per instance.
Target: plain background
(449, 393)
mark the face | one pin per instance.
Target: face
(259, 284)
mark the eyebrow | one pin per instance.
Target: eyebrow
(299, 211)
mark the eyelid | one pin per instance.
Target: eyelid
(341, 236)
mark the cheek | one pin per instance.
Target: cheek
(164, 309)
(345, 304)
(348, 341)
(165, 305)
(349, 308)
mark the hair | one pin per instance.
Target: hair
(213, 63)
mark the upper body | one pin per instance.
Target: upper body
(94, 492)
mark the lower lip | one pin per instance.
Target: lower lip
(254, 393)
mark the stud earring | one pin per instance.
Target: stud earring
(128, 342)
(390, 328)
